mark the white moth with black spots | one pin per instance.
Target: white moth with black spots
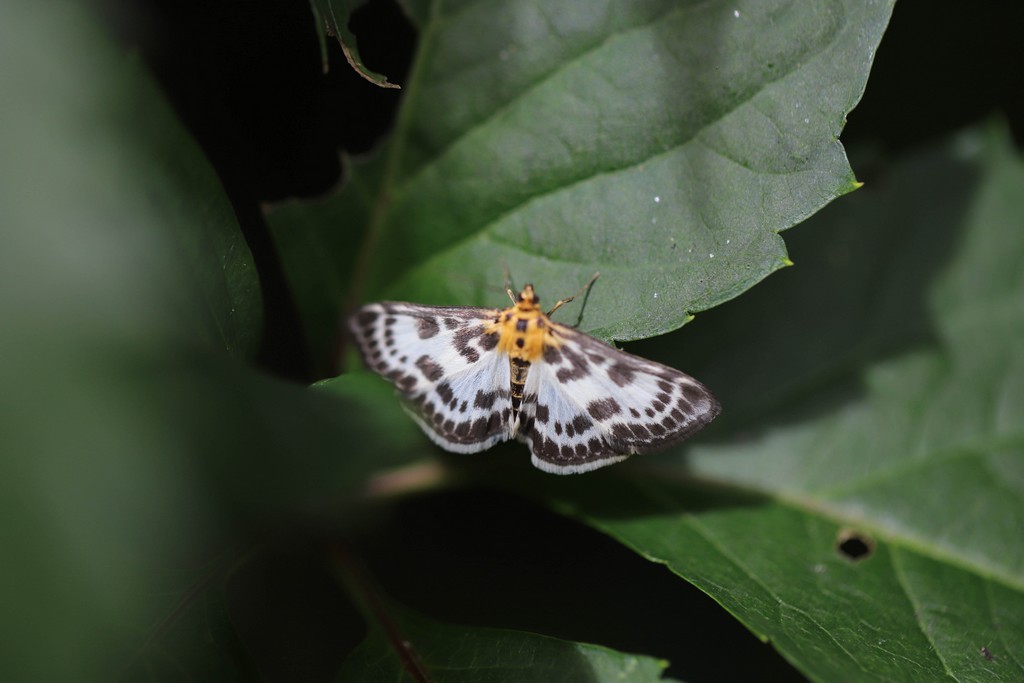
(473, 377)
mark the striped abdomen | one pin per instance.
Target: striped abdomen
(519, 367)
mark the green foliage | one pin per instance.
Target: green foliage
(888, 402)
(876, 390)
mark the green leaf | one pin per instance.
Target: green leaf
(663, 144)
(135, 444)
(876, 389)
(409, 644)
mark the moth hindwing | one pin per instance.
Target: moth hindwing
(472, 377)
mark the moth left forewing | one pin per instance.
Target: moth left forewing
(443, 365)
(395, 339)
(591, 405)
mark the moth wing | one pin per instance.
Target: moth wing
(443, 363)
(587, 405)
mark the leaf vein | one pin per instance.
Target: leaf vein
(900, 573)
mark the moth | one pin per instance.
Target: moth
(473, 377)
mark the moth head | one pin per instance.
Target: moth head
(528, 298)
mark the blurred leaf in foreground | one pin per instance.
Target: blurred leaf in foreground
(136, 446)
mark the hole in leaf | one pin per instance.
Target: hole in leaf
(854, 545)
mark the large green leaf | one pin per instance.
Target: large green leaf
(664, 144)
(876, 390)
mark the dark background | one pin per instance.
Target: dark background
(246, 78)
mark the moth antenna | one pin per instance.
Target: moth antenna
(584, 288)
